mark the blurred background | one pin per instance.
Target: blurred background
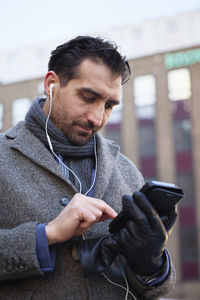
(157, 123)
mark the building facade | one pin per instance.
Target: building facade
(157, 125)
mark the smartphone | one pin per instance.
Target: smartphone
(162, 195)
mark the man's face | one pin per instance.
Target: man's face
(84, 105)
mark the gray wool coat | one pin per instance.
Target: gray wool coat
(32, 185)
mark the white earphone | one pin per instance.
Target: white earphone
(51, 88)
(50, 107)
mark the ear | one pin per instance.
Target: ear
(51, 77)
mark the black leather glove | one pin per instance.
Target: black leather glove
(94, 256)
(169, 219)
(143, 238)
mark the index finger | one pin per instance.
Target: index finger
(107, 211)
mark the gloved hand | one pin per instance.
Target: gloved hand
(94, 256)
(143, 238)
(169, 219)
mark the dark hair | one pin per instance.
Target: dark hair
(66, 58)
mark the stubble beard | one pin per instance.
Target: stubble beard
(77, 138)
(73, 135)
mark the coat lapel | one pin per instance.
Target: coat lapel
(107, 153)
(29, 145)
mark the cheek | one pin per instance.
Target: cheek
(106, 117)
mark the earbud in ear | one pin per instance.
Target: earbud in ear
(51, 88)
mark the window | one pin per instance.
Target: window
(186, 181)
(145, 99)
(182, 135)
(179, 84)
(19, 108)
(144, 90)
(145, 96)
(146, 140)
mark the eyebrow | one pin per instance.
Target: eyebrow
(96, 94)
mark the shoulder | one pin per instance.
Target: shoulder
(13, 131)
(130, 172)
(17, 134)
(114, 149)
(122, 164)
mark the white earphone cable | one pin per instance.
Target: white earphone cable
(58, 158)
(121, 286)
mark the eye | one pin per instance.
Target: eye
(108, 106)
(88, 99)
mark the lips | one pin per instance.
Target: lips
(84, 129)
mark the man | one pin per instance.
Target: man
(61, 182)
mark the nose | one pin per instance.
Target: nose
(95, 114)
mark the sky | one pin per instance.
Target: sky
(34, 22)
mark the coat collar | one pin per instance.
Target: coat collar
(28, 144)
(107, 153)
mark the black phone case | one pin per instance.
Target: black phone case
(162, 196)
